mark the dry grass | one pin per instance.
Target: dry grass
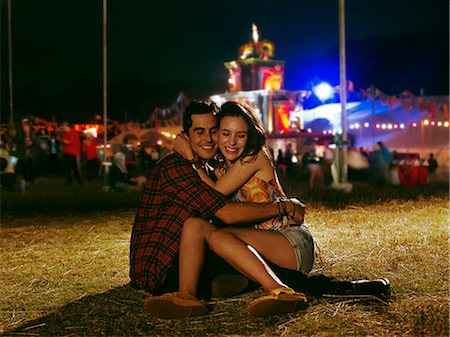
(67, 275)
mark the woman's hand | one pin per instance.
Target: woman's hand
(296, 210)
(183, 147)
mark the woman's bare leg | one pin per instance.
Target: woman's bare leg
(245, 257)
(270, 244)
(192, 253)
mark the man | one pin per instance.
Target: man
(174, 192)
(71, 154)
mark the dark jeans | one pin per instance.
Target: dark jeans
(28, 170)
(53, 163)
(71, 165)
(93, 166)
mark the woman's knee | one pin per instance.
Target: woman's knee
(198, 227)
(216, 239)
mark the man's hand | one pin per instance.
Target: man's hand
(183, 147)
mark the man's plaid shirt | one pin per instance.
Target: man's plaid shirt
(173, 193)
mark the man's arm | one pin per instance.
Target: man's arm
(237, 212)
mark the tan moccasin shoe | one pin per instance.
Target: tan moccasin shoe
(279, 301)
(174, 305)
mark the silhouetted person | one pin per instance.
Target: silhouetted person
(71, 154)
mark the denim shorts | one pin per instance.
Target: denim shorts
(302, 241)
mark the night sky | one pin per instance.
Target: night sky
(159, 48)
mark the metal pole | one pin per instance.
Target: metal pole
(105, 101)
(343, 93)
(11, 114)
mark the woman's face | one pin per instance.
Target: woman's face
(233, 135)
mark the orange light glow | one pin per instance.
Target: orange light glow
(283, 117)
(92, 131)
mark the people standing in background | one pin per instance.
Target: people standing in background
(27, 151)
(387, 159)
(358, 165)
(378, 172)
(327, 161)
(364, 152)
(288, 160)
(7, 166)
(92, 161)
(147, 158)
(432, 167)
(393, 169)
(53, 148)
(281, 163)
(311, 163)
(71, 154)
(129, 149)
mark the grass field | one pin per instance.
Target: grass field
(64, 266)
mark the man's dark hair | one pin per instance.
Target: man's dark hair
(198, 107)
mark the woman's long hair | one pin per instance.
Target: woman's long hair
(256, 136)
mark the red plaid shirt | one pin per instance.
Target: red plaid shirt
(173, 193)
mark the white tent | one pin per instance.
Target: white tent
(405, 126)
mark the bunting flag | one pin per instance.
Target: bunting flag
(363, 93)
(369, 93)
(423, 104)
(161, 117)
(444, 109)
(350, 86)
(407, 99)
(432, 110)
(392, 102)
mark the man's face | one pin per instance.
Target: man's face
(203, 136)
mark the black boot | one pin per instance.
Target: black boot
(318, 284)
(380, 288)
(315, 285)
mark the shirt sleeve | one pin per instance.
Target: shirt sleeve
(191, 192)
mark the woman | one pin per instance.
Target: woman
(92, 161)
(248, 174)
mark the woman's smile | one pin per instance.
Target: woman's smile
(233, 134)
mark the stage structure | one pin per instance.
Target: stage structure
(257, 79)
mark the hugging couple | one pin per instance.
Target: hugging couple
(214, 221)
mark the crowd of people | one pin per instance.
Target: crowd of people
(378, 166)
(27, 153)
(131, 164)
